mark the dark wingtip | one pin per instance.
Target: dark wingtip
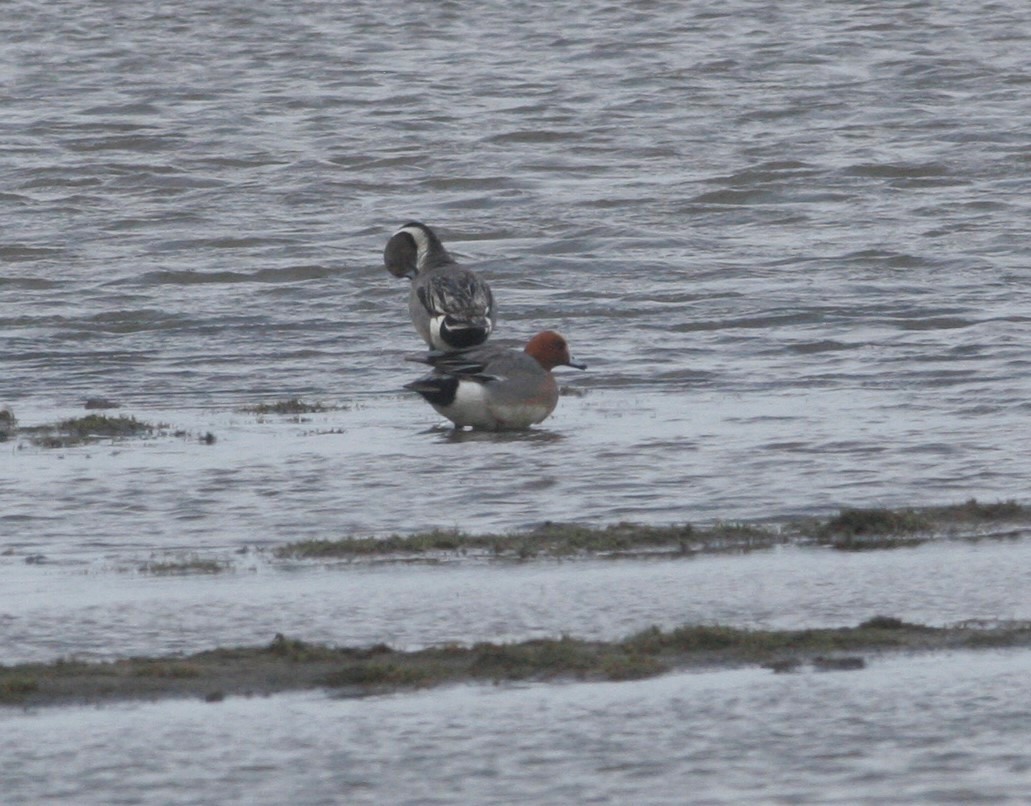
(437, 389)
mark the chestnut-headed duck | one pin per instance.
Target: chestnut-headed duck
(494, 388)
(452, 308)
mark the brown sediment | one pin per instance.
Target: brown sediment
(288, 664)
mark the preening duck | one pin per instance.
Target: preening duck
(452, 307)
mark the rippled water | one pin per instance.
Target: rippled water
(730, 737)
(791, 241)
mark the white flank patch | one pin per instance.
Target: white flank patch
(470, 406)
(435, 324)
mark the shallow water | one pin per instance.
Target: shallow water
(929, 729)
(792, 246)
(103, 614)
(791, 243)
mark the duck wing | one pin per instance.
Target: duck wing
(457, 293)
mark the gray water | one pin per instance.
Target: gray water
(790, 241)
(730, 737)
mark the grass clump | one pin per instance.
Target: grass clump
(547, 659)
(867, 529)
(565, 539)
(760, 645)
(858, 529)
(297, 651)
(543, 656)
(100, 425)
(862, 522)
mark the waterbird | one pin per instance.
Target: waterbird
(452, 307)
(495, 388)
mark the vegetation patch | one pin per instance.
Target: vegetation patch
(548, 540)
(290, 664)
(356, 547)
(853, 523)
(293, 406)
(851, 529)
(862, 529)
(14, 688)
(90, 428)
(170, 669)
(540, 657)
(974, 511)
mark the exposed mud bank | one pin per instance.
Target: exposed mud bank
(286, 664)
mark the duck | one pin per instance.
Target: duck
(452, 307)
(493, 388)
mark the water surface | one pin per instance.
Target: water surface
(791, 243)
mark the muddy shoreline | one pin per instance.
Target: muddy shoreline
(291, 663)
(287, 664)
(850, 530)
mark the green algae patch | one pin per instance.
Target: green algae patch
(287, 664)
(90, 428)
(94, 428)
(851, 530)
(356, 547)
(547, 657)
(562, 658)
(555, 540)
(858, 522)
(100, 425)
(630, 539)
(974, 511)
(759, 645)
(865, 529)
